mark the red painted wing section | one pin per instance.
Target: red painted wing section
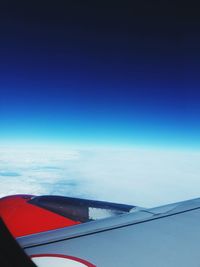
(23, 218)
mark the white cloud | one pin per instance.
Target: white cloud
(142, 177)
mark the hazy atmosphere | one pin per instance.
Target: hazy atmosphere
(100, 100)
(134, 176)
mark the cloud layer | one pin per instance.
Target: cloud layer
(141, 177)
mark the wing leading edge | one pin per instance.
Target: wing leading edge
(163, 236)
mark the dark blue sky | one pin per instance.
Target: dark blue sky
(118, 73)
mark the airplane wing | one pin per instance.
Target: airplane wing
(124, 236)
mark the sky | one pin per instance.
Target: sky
(99, 97)
(100, 73)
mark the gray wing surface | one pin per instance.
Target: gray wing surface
(159, 237)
